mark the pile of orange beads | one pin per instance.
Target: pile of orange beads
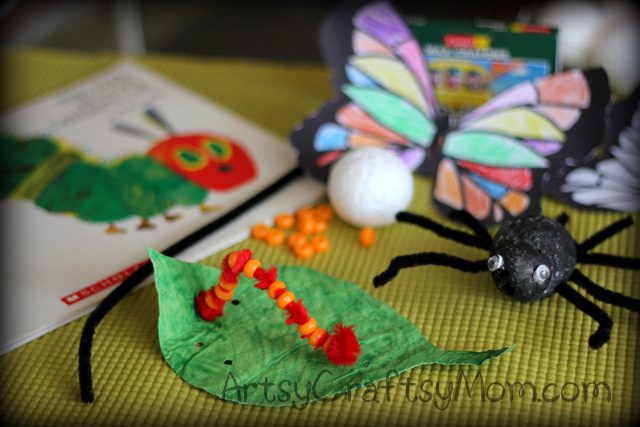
(306, 228)
(341, 347)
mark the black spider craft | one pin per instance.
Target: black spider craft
(530, 258)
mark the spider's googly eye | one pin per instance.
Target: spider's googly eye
(495, 262)
(541, 274)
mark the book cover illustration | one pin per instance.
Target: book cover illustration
(96, 172)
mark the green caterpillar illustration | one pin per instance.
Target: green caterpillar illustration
(178, 170)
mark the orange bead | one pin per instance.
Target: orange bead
(275, 237)
(320, 227)
(320, 244)
(367, 237)
(250, 267)
(317, 337)
(259, 231)
(304, 212)
(323, 213)
(228, 286)
(233, 257)
(304, 251)
(285, 298)
(296, 239)
(275, 287)
(284, 221)
(308, 327)
(222, 293)
(306, 225)
(325, 346)
(210, 301)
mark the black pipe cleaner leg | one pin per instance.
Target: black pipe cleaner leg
(562, 219)
(427, 258)
(603, 333)
(475, 225)
(610, 260)
(605, 295)
(604, 234)
(446, 232)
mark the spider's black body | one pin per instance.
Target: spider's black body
(530, 258)
(526, 243)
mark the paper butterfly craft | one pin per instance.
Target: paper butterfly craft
(250, 355)
(488, 161)
(610, 181)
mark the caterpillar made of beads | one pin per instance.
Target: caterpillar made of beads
(341, 347)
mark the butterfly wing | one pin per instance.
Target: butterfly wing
(610, 180)
(497, 156)
(386, 98)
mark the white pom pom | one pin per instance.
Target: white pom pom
(578, 23)
(617, 51)
(368, 186)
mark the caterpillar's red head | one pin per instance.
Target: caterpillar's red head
(211, 161)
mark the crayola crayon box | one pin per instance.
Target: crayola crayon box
(470, 62)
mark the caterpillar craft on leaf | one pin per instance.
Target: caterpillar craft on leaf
(179, 170)
(488, 161)
(251, 346)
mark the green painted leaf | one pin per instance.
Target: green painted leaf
(270, 364)
(491, 149)
(394, 112)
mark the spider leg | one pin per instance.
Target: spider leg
(602, 334)
(472, 222)
(481, 240)
(603, 294)
(562, 219)
(610, 260)
(427, 258)
(604, 234)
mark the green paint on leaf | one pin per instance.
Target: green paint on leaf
(251, 356)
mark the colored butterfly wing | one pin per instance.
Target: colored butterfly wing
(611, 180)
(498, 155)
(488, 193)
(385, 100)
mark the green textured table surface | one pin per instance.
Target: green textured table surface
(455, 310)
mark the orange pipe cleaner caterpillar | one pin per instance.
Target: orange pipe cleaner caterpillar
(341, 347)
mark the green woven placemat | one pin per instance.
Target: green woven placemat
(134, 386)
